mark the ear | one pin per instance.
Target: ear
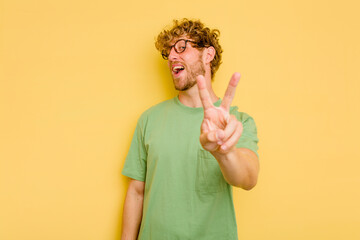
(209, 54)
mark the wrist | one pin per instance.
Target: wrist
(223, 155)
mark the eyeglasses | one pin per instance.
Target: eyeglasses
(179, 47)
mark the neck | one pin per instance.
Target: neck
(191, 97)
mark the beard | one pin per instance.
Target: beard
(191, 73)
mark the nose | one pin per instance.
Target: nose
(173, 55)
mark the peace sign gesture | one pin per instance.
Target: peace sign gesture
(220, 131)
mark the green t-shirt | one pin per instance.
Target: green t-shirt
(186, 196)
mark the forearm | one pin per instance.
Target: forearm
(240, 167)
(132, 215)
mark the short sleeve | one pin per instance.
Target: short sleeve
(248, 137)
(135, 162)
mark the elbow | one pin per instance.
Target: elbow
(248, 184)
(247, 176)
(248, 187)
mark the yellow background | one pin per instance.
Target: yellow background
(76, 75)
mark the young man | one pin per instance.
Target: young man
(188, 152)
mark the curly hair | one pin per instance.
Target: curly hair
(195, 30)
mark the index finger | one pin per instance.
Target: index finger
(230, 91)
(203, 92)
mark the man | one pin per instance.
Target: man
(188, 152)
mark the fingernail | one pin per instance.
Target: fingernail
(223, 147)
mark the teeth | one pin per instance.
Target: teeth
(178, 68)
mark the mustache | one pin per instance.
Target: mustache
(177, 62)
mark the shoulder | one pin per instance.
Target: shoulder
(156, 110)
(241, 116)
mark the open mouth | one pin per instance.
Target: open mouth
(177, 69)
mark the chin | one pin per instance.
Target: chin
(185, 87)
(181, 88)
(178, 83)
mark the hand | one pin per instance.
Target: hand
(220, 131)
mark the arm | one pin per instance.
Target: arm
(240, 167)
(133, 210)
(220, 132)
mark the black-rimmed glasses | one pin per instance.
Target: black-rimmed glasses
(179, 47)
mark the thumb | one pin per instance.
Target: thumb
(212, 136)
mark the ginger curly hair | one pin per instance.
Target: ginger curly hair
(195, 30)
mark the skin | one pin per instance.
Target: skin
(220, 131)
(193, 66)
(132, 213)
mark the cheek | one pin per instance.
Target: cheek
(205, 58)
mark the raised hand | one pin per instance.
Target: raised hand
(220, 131)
